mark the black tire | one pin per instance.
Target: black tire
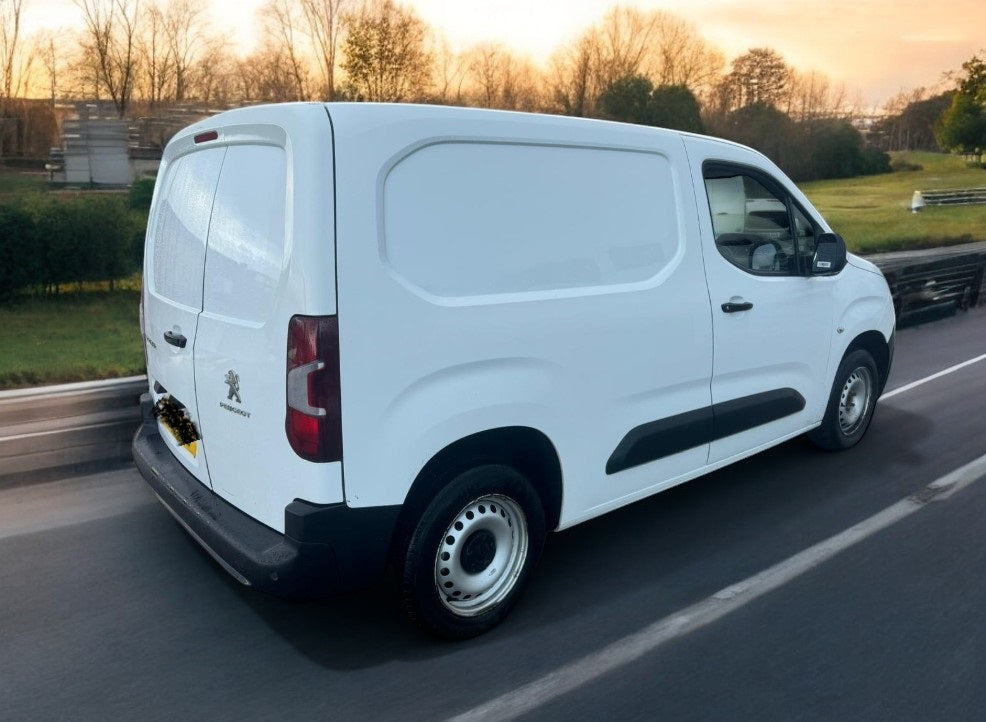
(851, 403)
(472, 552)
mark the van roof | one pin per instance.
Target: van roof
(351, 115)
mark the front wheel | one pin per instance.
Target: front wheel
(472, 551)
(851, 403)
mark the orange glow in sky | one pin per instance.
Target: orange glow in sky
(874, 47)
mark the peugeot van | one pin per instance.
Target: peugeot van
(425, 336)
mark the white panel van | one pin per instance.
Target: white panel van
(425, 336)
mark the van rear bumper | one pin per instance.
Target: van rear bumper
(325, 548)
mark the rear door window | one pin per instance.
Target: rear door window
(246, 240)
(182, 225)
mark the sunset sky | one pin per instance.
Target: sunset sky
(875, 47)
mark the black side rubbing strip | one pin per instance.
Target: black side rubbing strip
(732, 417)
(664, 437)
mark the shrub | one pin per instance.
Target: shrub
(901, 165)
(47, 240)
(18, 264)
(141, 193)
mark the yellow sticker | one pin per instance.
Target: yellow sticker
(191, 448)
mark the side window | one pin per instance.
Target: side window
(753, 227)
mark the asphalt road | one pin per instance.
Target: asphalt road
(109, 611)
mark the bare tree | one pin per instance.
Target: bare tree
(624, 39)
(267, 75)
(503, 80)
(285, 40)
(324, 26)
(450, 70)
(487, 65)
(51, 62)
(185, 30)
(214, 76)
(10, 35)
(572, 77)
(812, 96)
(628, 42)
(156, 59)
(681, 57)
(385, 57)
(110, 44)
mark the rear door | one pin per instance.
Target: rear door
(175, 259)
(239, 357)
(270, 256)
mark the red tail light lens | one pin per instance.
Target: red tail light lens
(314, 402)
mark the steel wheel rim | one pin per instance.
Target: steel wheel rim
(855, 400)
(466, 585)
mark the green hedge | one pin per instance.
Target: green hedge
(49, 240)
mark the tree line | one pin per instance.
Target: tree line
(634, 65)
(165, 51)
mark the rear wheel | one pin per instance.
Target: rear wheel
(851, 403)
(472, 552)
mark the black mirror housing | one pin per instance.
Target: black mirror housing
(830, 255)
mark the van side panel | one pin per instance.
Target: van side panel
(506, 270)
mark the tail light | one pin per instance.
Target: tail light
(314, 408)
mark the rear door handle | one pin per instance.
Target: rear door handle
(175, 339)
(734, 306)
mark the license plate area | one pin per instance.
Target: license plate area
(174, 417)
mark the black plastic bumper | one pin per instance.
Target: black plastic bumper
(325, 548)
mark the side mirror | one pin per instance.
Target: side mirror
(830, 255)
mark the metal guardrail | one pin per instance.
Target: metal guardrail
(57, 431)
(957, 197)
(927, 284)
(953, 283)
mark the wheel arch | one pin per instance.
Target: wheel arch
(526, 449)
(879, 348)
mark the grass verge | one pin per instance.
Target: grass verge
(873, 212)
(70, 337)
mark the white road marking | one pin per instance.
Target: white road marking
(632, 647)
(926, 379)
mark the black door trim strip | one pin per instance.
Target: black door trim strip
(674, 434)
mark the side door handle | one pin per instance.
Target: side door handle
(739, 304)
(175, 339)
